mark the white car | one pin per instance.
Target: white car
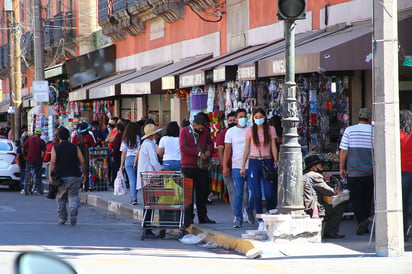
(9, 169)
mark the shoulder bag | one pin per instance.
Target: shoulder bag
(204, 164)
(269, 173)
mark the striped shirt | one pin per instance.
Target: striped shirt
(358, 141)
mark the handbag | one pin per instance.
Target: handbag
(268, 172)
(204, 164)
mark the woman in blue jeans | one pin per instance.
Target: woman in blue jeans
(169, 148)
(261, 150)
(129, 147)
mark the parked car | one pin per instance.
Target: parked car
(9, 169)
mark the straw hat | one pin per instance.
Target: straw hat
(150, 130)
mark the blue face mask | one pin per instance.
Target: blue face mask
(242, 122)
(260, 121)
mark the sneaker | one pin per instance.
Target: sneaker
(22, 192)
(261, 226)
(238, 223)
(250, 217)
(61, 222)
(133, 202)
(73, 216)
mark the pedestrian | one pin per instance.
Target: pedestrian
(169, 149)
(21, 161)
(148, 161)
(97, 133)
(195, 142)
(85, 141)
(406, 166)
(356, 166)
(47, 155)
(315, 189)
(220, 143)
(116, 154)
(235, 142)
(24, 134)
(129, 147)
(261, 150)
(65, 173)
(33, 149)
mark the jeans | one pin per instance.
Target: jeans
(172, 165)
(22, 175)
(230, 191)
(68, 192)
(37, 166)
(131, 174)
(201, 188)
(361, 196)
(269, 188)
(406, 191)
(242, 186)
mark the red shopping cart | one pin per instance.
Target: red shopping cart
(165, 196)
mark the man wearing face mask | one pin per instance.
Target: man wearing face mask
(235, 142)
(220, 142)
(189, 139)
(314, 190)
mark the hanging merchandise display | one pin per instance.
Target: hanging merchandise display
(42, 117)
(98, 168)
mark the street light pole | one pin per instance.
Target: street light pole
(13, 17)
(290, 184)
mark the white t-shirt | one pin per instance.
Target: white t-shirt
(130, 151)
(171, 148)
(236, 137)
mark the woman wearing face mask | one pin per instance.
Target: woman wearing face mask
(261, 147)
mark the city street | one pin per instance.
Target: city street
(104, 243)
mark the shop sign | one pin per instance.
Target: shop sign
(278, 66)
(219, 75)
(168, 82)
(247, 73)
(192, 79)
(135, 88)
(41, 91)
(78, 95)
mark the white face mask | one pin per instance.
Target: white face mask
(242, 122)
(260, 121)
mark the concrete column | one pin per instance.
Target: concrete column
(388, 201)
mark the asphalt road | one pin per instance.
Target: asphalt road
(104, 243)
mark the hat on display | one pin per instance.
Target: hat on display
(312, 160)
(38, 131)
(83, 127)
(150, 130)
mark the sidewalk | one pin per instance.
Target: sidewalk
(230, 238)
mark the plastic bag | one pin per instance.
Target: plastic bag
(119, 184)
(178, 193)
(193, 239)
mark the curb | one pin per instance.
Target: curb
(222, 240)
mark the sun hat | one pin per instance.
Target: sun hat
(150, 130)
(38, 131)
(83, 127)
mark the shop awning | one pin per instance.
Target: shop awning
(4, 106)
(151, 83)
(84, 93)
(347, 48)
(55, 71)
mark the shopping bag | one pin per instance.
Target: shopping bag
(119, 184)
(172, 199)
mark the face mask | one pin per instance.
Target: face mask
(198, 131)
(260, 121)
(242, 122)
(112, 125)
(232, 125)
(319, 171)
